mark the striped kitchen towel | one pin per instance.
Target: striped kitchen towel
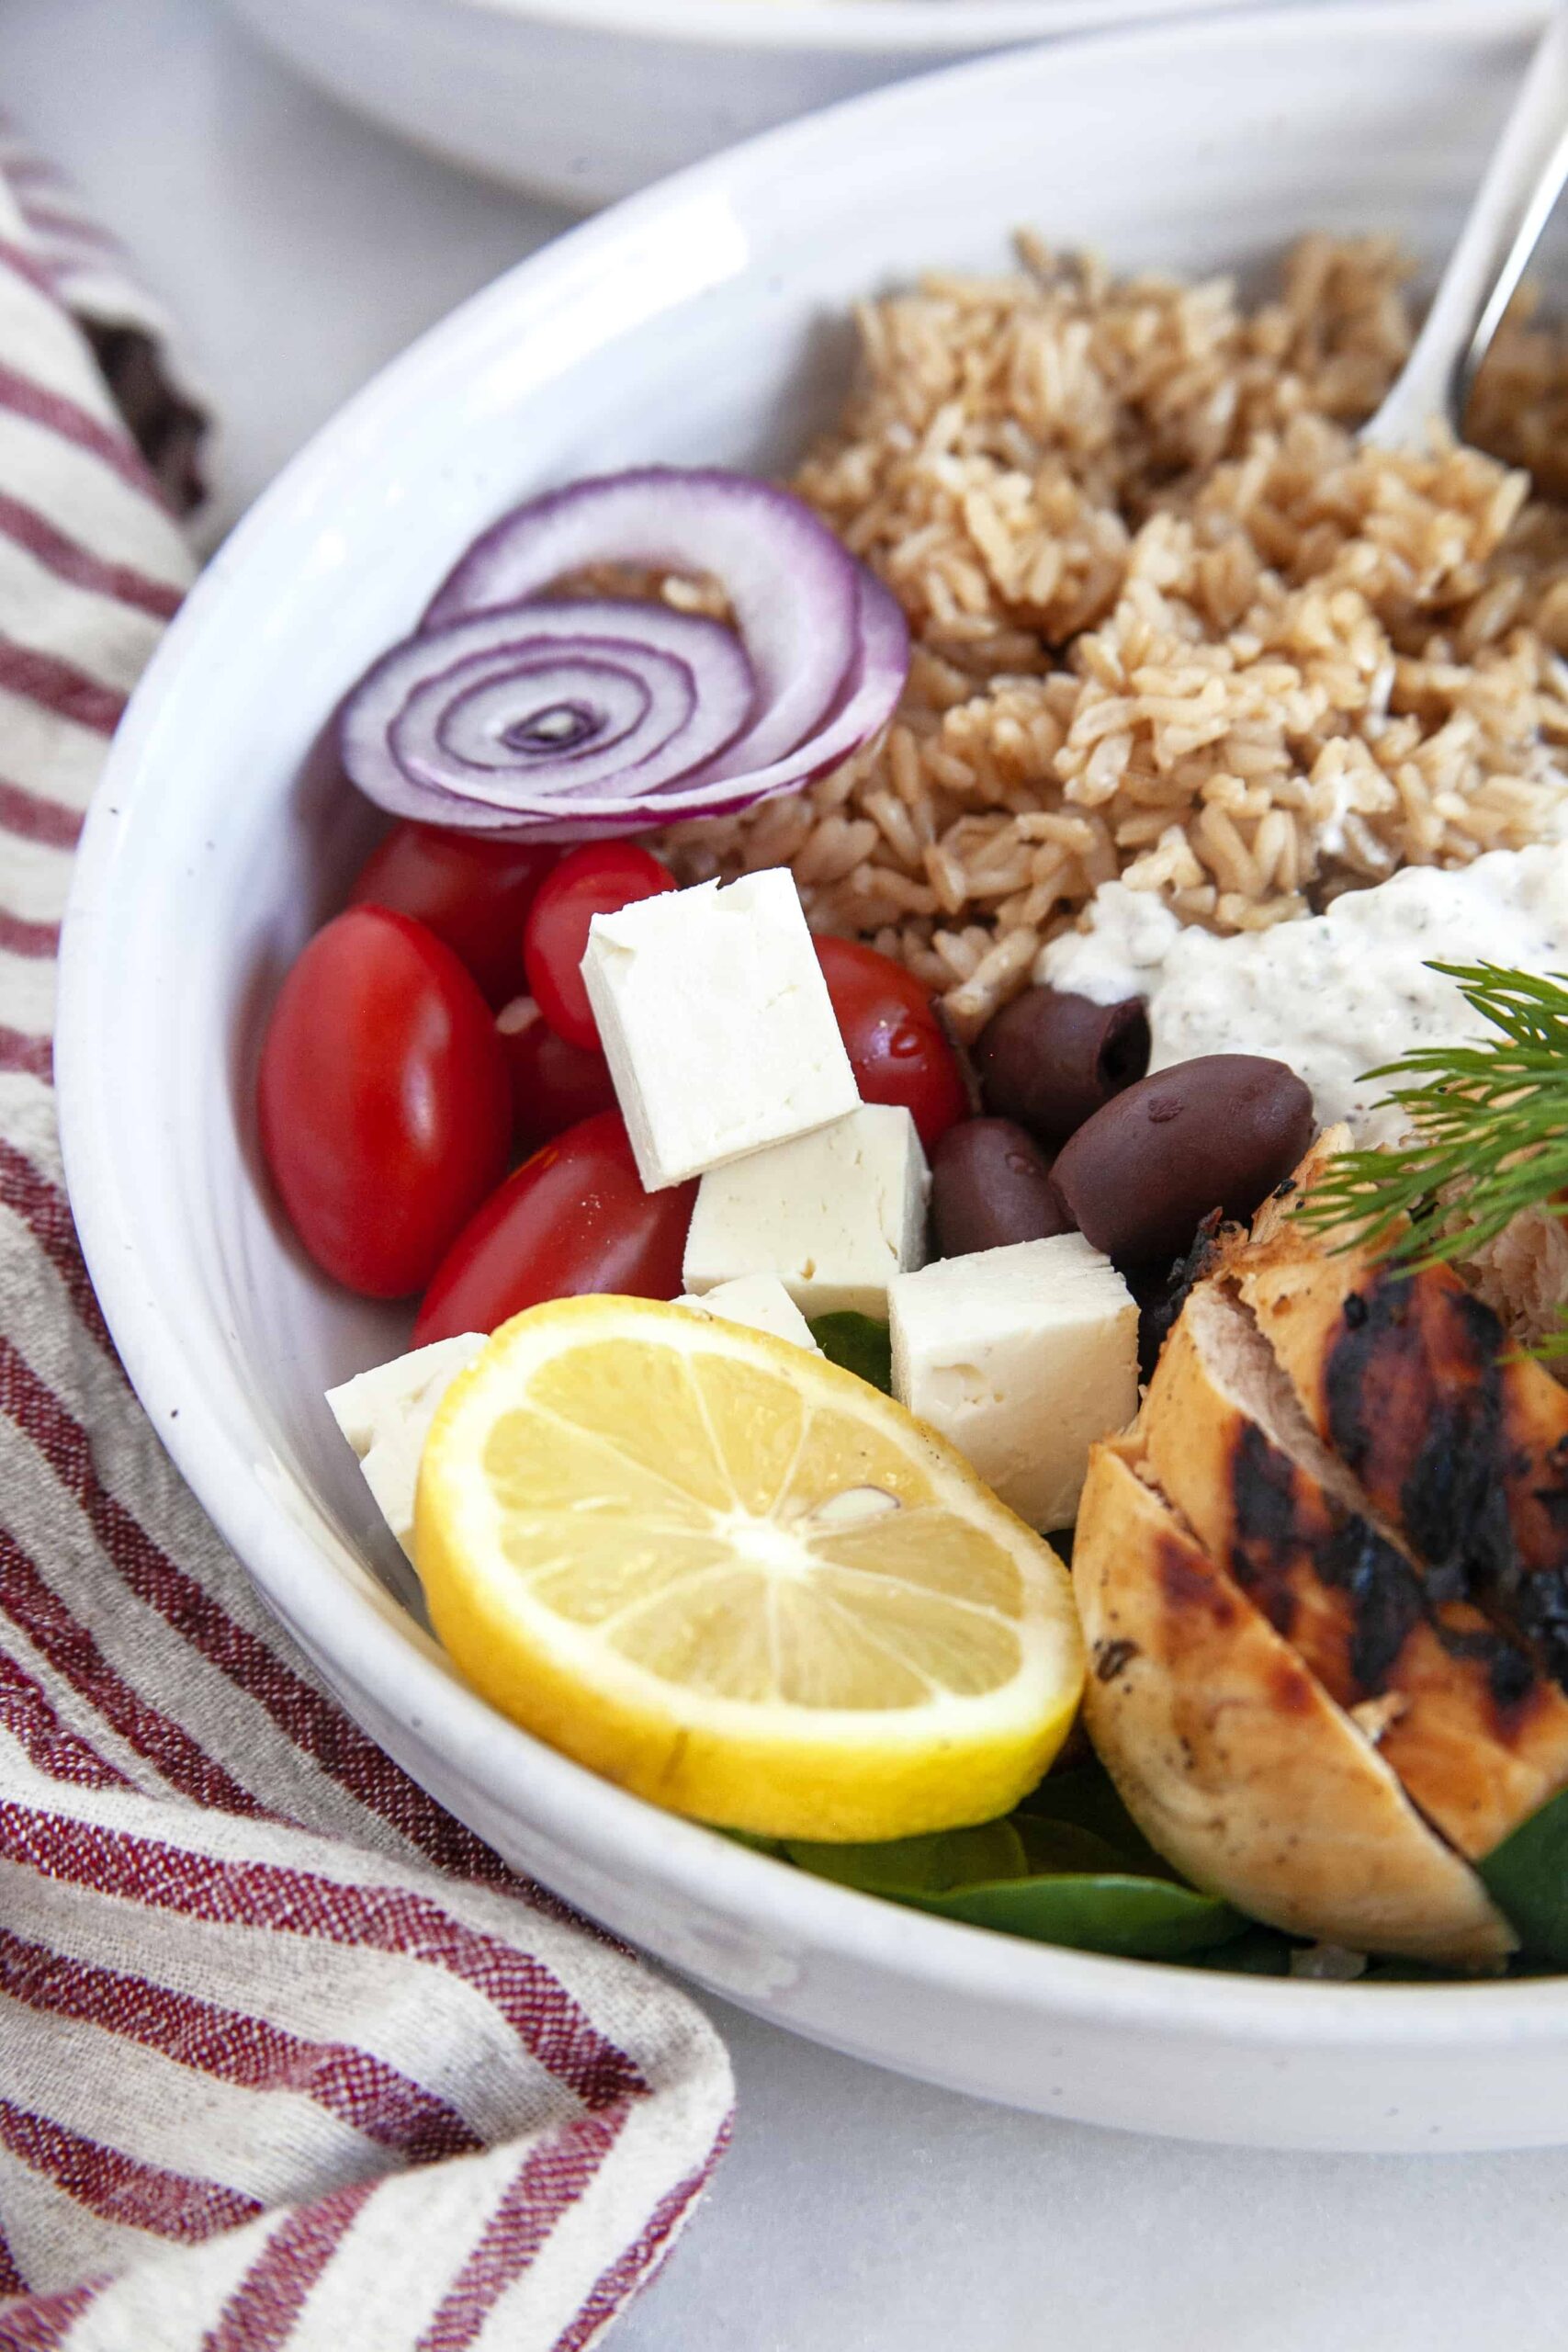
(288, 2058)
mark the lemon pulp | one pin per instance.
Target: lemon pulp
(738, 1581)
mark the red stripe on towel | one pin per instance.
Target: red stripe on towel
(305, 1714)
(34, 1057)
(66, 1644)
(27, 1713)
(642, 2258)
(69, 560)
(48, 2319)
(546, 2185)
(259, 2315)
(36, 941)
(25, 397)
(119, 2189)
(43, 1209)
(541, 2013)
(358, 2088)
(59, 687)
(33, 816)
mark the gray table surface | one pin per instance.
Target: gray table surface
(856, 2212)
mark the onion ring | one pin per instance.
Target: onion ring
(515, 714)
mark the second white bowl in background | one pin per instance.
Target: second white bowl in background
(584, 100)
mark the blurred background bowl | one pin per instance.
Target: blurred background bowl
(584, 100)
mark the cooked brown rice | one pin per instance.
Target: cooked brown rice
(1169, 622)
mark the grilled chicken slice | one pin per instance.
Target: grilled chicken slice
(1278, 1211)
(1461, 1448)
(1475, 1732)
(1233, 1757)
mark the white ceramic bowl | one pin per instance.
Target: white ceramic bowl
(585, 100)
(703, 321)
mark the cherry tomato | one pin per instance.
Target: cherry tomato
(475, 894)
(894, 1040)
(592, 880)
(385, 1100)
(572, 1219)
(553, 1084)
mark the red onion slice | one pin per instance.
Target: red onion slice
(582, 709)
(509, 718)
(792, 586)
(869, 697)
(575, 720)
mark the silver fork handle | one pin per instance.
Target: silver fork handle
(1512, 207)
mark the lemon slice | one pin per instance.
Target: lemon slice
(737, 1580)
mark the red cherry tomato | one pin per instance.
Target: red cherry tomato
(475, 894)
(572, 1219)
(553, 1084)
(894, 1040)
(592, 880)
(385, 1101)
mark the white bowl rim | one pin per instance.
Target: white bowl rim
(399, 1669)
(938, 27)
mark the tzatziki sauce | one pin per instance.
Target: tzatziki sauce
(1335, 995)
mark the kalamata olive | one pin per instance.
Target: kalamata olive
(990, 1185)
(1051, 1060)
(1218, 1132)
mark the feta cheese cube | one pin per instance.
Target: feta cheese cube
(759, 1302)
(1022, 1356)
(386, 1414)
(835, 1214)
(717, 1023)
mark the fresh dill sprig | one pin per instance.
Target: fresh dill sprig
(1490, 1123)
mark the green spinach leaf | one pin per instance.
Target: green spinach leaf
(1526, 1877)
(930, 1865)
(859, 1344)
(774, 1846)
(1257, 1952)
(1085, 1795)
(1052, 1882)
(1134, 1918)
